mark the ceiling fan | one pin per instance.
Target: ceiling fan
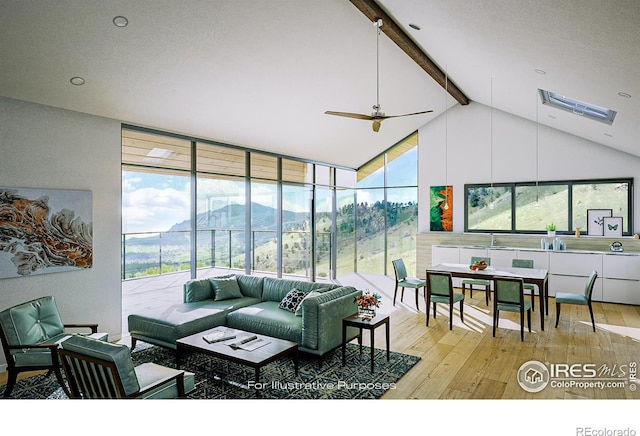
(377, 116)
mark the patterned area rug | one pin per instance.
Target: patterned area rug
(217, 379)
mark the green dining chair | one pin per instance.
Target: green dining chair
(508, 295)
(402, 281)
(526, 263)
(440, 290)
(470, 283)
(583, 299)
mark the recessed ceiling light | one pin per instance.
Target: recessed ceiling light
(624, 94)
(120, 21)
(77, 81)
(414, 26)
(609, 135)
(552, 117)
(540, 71)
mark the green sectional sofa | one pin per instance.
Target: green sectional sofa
(304, 312)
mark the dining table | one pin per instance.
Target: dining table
(535, 276)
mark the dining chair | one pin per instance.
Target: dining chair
(527, 263)
(509, 296)
(478, 282)
(402, 281)
(440, 290)
(583, 299)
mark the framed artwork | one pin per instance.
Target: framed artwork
(44, 231)
(441, 209)
(612, 226)
(595, 221)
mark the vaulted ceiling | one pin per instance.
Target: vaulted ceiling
(261, 73)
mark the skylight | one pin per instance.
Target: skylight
(578, 107)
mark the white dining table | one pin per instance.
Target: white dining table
(538, 277)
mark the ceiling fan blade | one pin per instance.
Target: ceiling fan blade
(350, 115)
(403, 115)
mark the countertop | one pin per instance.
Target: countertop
(501, 247)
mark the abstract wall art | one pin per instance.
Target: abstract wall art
(44, 231)
(441, 208)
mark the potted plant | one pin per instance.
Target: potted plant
(551, 230)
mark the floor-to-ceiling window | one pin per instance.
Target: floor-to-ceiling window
(220, 206)
(156, 194)
(193, 204)
(387, 209)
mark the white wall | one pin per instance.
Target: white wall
(561, 156)
(45, 147)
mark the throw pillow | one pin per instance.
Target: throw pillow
(291, 301)
(225, 288)
(198, 290)
(309, 294)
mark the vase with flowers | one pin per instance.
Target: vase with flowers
(367, 304)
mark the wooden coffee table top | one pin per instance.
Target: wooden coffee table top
(275, 349)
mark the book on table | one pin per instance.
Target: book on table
(219, 335)
(248, 343)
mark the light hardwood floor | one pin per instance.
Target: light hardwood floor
(467, 362)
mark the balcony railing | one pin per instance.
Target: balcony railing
(154, 253)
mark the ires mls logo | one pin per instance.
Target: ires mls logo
(533, 376)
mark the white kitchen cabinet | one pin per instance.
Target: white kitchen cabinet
(575, 264)
(445, 254)
(621, 266)
(466, 253)
(540, 258)
(621, 291)
(502, 257)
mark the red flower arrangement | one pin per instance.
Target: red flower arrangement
(367, 300)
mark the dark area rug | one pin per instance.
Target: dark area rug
(217, 379)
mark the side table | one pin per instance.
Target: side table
(360, 324)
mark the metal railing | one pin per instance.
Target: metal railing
(155, 253)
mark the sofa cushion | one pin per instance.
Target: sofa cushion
(275, 289)
(149, 373)
(33, 322)
(165, 326)
(267, 318)
(292, 300)
(250, 286)
(198, 290)
(225, 288)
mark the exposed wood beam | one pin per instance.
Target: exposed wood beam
(374, 12)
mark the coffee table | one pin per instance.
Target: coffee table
(256, 359)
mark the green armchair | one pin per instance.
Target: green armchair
(31, 333)
(101, 370)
